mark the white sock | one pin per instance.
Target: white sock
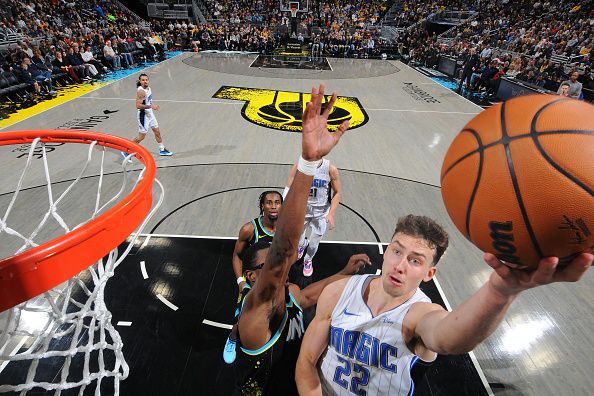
(161, 147)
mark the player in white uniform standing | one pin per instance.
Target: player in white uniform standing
(146, 116)
(370, 330)
(321, 207)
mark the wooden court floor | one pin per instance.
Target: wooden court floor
(225, 156)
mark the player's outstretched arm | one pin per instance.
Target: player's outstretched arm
(265, 303)
(474, 320)
(309, 295)
(315, 341)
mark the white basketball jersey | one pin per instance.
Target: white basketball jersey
(148, 98)
(367, 354)
(320, 187)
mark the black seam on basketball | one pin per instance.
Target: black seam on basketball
(512, 172)
(480, 148)
(535, 135)
(513, 138)
(477, 181)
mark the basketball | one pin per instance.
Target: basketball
(518, 180)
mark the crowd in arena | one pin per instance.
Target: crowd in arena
(61, 42)
(73, 41)
(539, 43)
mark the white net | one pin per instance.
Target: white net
(64, 339)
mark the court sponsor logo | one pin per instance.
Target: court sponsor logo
(282, 110)
(79, 124)
(418, 93)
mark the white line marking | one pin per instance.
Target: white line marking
(234, 238)
(421, 111)
(14, 351)
(95, 90)
(234, 103)
(167, 302)
(442, 294)
(143, 270)
(217, 324)
(123, 323)
(378, 272)
(481, 373)
(146, 241)
(471, 354)
(240, 103)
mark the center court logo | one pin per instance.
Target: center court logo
(282, 110)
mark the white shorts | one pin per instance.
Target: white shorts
(315, 219)
(146, 121)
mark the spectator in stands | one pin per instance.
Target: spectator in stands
(564, 89)
(25, 48)
(82, 69)
(94, 70)
(123, 51)
(111, 56)
(40, 71)
(575, 87)
(471, 62)
(60, 64)
(88, 57)
(24, 75)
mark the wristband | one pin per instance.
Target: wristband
(240, 279)
(308, 167)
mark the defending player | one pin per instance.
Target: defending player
(261, 228)
(264, 314)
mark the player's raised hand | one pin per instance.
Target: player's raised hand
(356, 262)
(510, 281)
(316, 140)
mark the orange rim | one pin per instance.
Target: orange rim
(39, 269)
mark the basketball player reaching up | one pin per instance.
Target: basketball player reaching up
(369, 330)
(268, 325)
(321, 206)
(145, 115)
(259, 229)
(254, 376)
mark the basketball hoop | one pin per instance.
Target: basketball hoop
(60, 283)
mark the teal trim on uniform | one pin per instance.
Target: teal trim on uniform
(272, 340)
(264, 228)
(242, 302)
(257, 236)
(293, 301)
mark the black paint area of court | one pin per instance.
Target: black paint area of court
(173, 352)
(282, 61)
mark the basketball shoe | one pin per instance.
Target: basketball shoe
(229, 351)
(165, 152)
(307, 267)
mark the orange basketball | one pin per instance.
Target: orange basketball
(518, 180)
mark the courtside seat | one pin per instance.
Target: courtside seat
(13, 82)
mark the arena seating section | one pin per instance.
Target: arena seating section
(532, 41)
